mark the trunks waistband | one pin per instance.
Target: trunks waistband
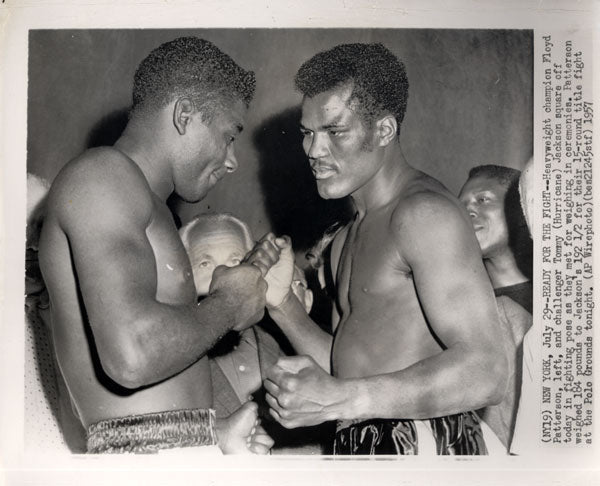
(153, 431)
(458, 434)
(344, 424)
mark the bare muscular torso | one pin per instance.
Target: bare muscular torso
(382, 327)
(94, 394)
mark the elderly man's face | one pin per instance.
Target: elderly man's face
(484, 199)
(213, 245)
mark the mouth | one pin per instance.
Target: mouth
(323, 172)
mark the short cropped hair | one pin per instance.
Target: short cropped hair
(518, 233)
(378, 79)
(216, 219)
(193, 67)
(504, 175)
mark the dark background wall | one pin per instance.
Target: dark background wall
(470, 103)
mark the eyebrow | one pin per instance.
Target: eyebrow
(335, 123)
(484, 192)
(204, 256)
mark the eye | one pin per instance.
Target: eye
(236, 261)
(204, 264)
(305, 133)
(483, 199)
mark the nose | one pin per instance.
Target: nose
(231, 163)
(469, 204)
(315, 146)
(471, 209)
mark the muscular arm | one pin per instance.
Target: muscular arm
(105, 211)
(304, 334)
(458, 302)
(438, 245)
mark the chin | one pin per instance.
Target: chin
(329, 192)
(193, 198)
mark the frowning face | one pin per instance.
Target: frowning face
(338, 144)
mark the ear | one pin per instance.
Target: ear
(182, 114)
(386, 130)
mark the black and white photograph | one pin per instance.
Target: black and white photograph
(269, 246)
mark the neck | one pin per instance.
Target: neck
(503, 270)
(387, 184)
(142, 143)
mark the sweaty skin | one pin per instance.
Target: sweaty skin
(415, 327)
(129, 336)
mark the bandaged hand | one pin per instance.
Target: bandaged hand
(279, 276)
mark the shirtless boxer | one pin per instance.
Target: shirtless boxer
(129, 335)
(414, 349)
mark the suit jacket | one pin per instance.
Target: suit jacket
(304, 440)
(225, 400)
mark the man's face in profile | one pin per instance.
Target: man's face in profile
(207, 151)
(484, 199)
(211, 245)
(338, 144)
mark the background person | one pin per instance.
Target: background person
(239, 361)
(525, 438)
(491, 197)
(50, 424)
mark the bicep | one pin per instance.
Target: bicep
(113, 259)
(452, 285)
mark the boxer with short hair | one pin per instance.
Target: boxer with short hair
(130, 338)
(414, 349)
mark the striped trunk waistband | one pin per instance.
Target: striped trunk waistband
(152, 432)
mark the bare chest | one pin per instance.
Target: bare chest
(371, 268)
(382, 327)
(175, 283)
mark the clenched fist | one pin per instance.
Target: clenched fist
(246, 290)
